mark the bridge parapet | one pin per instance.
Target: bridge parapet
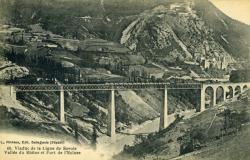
(106, 86)
(224, 85)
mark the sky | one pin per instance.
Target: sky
(236, 9)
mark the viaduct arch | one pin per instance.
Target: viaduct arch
(220, 95)
(217, 93)
(229, 92)
(209, 97)
(237, 90)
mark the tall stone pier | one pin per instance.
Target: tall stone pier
(224, 94)
(202, 100)
(214, 96)
(164, 111)
(61, 109)
(111, 116)
(13, 92)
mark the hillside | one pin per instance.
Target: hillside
(166, 27)
(187, 30)
(209, 135)
(61, 60)
(233, 35)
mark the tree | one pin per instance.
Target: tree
(75, 127)
(94, 111)
(226, 124)
(37, 11)
(16, 12)
(94, 137)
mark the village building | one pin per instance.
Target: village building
(219, 63)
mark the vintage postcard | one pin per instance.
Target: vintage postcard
(124, 79)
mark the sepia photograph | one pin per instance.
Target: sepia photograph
(124, 79)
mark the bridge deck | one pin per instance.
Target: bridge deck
(119, 86)
(106, 86)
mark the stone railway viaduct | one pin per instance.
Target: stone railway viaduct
(218, 92)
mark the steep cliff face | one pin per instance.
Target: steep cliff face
(233, 35)
(173, 31)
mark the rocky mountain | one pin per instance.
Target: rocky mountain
(187, 30)
(233, 35)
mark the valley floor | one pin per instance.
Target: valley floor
(128, 136)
